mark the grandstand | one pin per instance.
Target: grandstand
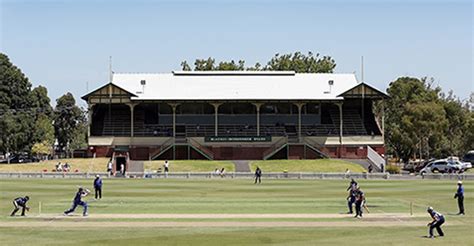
(234, 115)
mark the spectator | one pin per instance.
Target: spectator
(166, 166)
(59, 167)
(370, 168)
(66, 167)
(122, 169)
(222, 173)
(109, 167)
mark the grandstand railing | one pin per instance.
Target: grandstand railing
(315, 146)
(375, 158)
(274, 148)
(163, 148)
(201, 148)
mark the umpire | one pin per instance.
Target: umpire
(20, 202)
(98, 187)
(460, 196)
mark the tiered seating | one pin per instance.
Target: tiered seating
(320, 130)
(272, 130)
(200, 130)
(116, 124)
(237, 130)
(153, 130)
(352, 121)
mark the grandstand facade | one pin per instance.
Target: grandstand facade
(234, 115)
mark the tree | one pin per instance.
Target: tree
(421, 121)
(185, 66)
(297, 62)
(79, 136)
(231, 66)
(458, 136)
(40, 101)
(204, 65)
(403, 111)
(301, 63)
(16, 116)
(43, 136)
(67, 118)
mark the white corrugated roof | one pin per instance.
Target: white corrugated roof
(283, 85)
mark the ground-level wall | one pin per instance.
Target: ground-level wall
(145, 147)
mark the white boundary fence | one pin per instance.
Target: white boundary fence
(238, 175)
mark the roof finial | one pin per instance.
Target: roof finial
(110, 69)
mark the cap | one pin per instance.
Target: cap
(459, 182)
(429, 209)
(97, 175)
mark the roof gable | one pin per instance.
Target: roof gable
(363, 90)
(108, 92)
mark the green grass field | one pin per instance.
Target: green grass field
(100, 164)
(319, 165)
(132, 197)
(190, 165)
(81, 164)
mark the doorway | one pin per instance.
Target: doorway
(119, 161)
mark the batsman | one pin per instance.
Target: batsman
(78, 201)
(18, 203)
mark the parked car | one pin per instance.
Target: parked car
(416, 166)
(441, 166)
(469, 157)
(20, 159)
(462, 164)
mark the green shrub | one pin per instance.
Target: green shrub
(393, 169)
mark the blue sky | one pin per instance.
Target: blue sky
(66, 45)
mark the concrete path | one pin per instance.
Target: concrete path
(242, 166)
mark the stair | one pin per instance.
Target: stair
(275, 148)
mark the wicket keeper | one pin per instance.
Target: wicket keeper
(20, 202)
(438, 220)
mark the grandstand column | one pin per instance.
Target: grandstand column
(257, 107)
(173, 106)
(300, 106)
(216, 117)
(90, 113)
(132, 106)
(339, 105)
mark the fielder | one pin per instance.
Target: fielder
(78, 201)
(20, 202)
(438, 220)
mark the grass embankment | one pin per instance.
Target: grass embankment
(80, 164)
(319, 165)
(191, 165)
